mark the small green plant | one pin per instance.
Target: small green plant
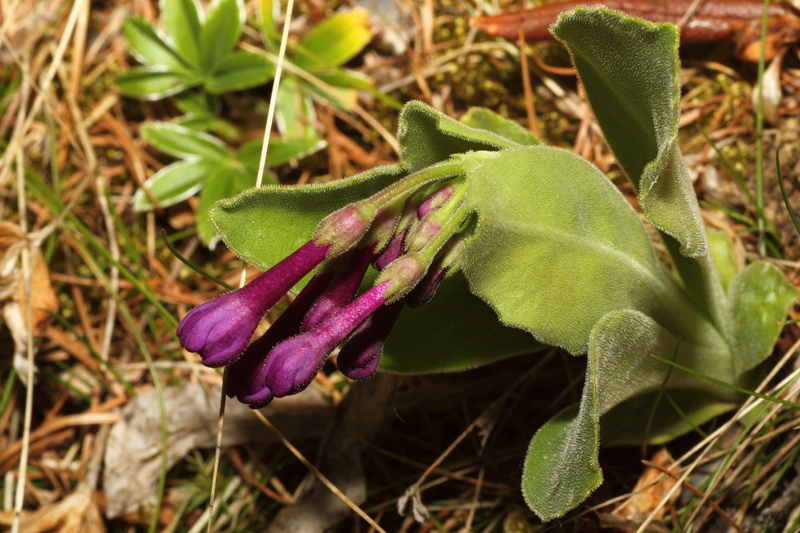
(533, 235)
(207, 165)
(196, 50)
(315, 72)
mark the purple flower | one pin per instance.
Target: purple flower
(392, 251)
(246, 377)
(378, 229)
(292, 364)
(359, 357)
(426, 288)
(342, 291)
(219, 330)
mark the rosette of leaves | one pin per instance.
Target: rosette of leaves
(195, 49)
(559, 257)
(316, 72)
(207, 166)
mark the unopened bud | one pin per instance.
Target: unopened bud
(342, 229)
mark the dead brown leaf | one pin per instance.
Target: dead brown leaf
(648, 493)
(77, 513)
(133, 451)
(12, 290)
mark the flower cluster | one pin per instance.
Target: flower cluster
(410, 232)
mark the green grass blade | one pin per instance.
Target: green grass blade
(191, 265)
(783, 192)
(728, 385)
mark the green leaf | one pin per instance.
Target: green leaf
(265, 225)
(182, 21)
(760, 296)
(280, 151)
(557, 247)
(222, 183)
(194, 122)
(198, 103)
(454, 331)
(721, 248)
(334, 41)
(174, 183)
(350, 79)
(182, 142)
(625, 424)
(295, 110)
(486, 119)
(221, 31)
(561, 468)
(266, 21)
(427, 137)
(151, 84)
(629, 68)
(148, 47)
(240, 70)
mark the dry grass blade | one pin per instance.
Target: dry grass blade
(319, 474)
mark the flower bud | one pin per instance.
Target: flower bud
(401, 276)
(436, 200)
(245, 377)
(342, 229)
(292, 364)
(391, 252)
(343, 289)
(359, 357)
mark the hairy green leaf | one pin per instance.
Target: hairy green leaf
(221, 31)
(265, 225)
(454, 331)
(557, 247)
(182, 142)
(629, 68)
(427, 137)
(561, 468)
(486, 119)
(760, 296)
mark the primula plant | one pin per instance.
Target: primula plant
(209, 166)
(509, 229)
(198, 49)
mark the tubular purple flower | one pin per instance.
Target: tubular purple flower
(343, 289)
(292, 364)
(245, 379)
(359, 357)
(449, 260)
(392, 251)
(219, 330)
(426, 288)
